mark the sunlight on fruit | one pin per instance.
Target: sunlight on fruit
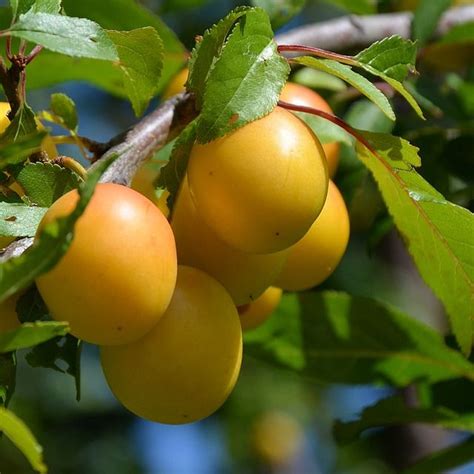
(117, 278)
(261, 187)
(186, 366)
(176, 85)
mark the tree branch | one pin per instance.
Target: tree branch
(359, 31)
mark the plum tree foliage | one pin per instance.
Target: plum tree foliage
(213, 212)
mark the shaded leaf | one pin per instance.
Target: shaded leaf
(21, 436)
(357, 81)
(174, 171)
(325, 130)
(332, 337)
(280, 12)
(427, 15)
(65, 109)
(7, 377)
(439, 235)
(44, 183)
(30, 306)
(141, 60)
(19, 220)
(77, 37)
(315, 79)
(18, 151)
(246, 80)
(394, 411)
(31, 334)
(23, 123)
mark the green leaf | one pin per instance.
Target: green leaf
(427, 15)
(128, 15)
(246, 80)
(463, 33)
(357, 81)
(280, 12)
(44, 183)
(394, 56)
(174, 171)
(332, 337)
(207, 50)
(438, 234)
(18, 151)
(141, 60)
(325, 130)
(23, 123)
(318, 80)
(31, 334)
(60, 349)
(19, 220)
(391, 59)
(21, 436)
(7, 377)
(76, 37)
(444, 460)
(19, 272)
(394, 411)
(46, 6)
(30, 307)
(65, 109)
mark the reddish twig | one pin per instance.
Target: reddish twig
(322, 53)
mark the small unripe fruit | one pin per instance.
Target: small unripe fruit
(186, 366)
(117, 277)
(256, 313)
(245, 276)
(262, 186)
(318, 253)
(301, 95)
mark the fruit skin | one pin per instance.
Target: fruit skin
(261, 187)
(48, 145)
(318, 253)
(302, 95)
(8, 316)
(177, 84)
(186, 366)
(255, 314)
(244, 276)
(117, 278)
(143, 183)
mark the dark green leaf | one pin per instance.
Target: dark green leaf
(439, 235)
(76, 37)
(444, 460)
(345, 73)
(65, 109)
(360, 7)
(394, 411)
(44, 183)
(7, 377)
(19, 272)
(19, 220)
(30, 306)
(141, 61)
(280, 12)
(394, 56)
(463, 33)
(31, 334)
(21, 436)
(18, 151)
(246, 80)
(23, 123)
(66, 350)
(207, 50)
(174, 171)
(427, 15)
(128, 15)
(335, 338)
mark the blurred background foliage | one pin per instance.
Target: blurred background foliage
(276, 421)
